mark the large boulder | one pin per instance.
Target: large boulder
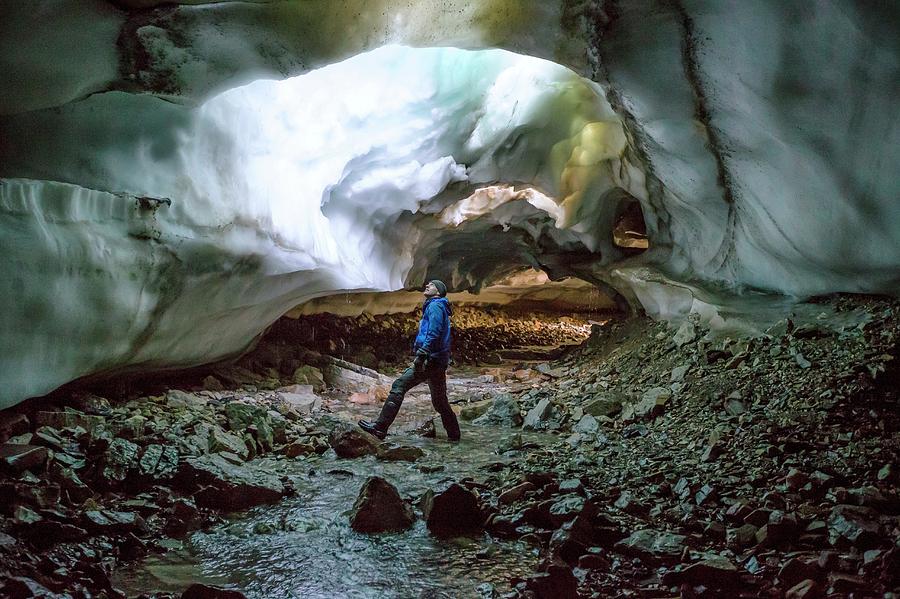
(504, 411)
(379, 508)
(18, 458)
(217, 483)
(351, 442)
(455, 511)
(653, 545)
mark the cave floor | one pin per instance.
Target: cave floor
(652, 462)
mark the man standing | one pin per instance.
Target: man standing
(432, 349)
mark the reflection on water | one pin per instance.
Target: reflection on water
(304, 547)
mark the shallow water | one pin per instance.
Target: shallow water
(304, 546)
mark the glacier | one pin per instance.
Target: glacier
(175, 176)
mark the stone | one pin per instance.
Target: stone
(211, 383)
(515, 493)
(714, 572)
(588, 425)
(349, 381)
(741, 537)
(379, 508)
(537, 416)
(796, 570)
(158, 462)
(18, 458)
(571, 485)
(299, 448)
(302, 399)
(685, 334)
(12, 425)
(402, 453)
(351, 442)
(504, 411)
(653, 545)
(69, 419)
(46, 533)
(203, 591)
(220, 440)
(851, 525)
(558, 582)
(242, 415)
(607, 405)
(21, 587)
(678, 373)
(218, 484)
(806, 589)
(652, 402)
(452, 512)
(181, 399)
(120, 460)
(309, 375)
(568, 507)
(473, 410)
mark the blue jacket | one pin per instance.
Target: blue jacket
(434, 330)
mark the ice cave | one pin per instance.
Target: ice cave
(669, 231)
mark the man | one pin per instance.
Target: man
(432, 350)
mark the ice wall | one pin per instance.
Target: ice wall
(139, 233)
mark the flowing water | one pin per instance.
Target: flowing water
(304, 546)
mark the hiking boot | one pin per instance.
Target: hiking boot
(372, 429)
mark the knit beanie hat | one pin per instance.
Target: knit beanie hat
(442, 289)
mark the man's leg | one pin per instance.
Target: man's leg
(406, 381)
(437, 384)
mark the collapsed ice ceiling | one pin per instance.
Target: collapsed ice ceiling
(171, 184)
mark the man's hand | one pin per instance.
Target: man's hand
(420, 361)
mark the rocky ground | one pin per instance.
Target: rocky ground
(685, 464)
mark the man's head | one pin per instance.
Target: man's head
(435, 288)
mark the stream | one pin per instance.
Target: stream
(304, 546)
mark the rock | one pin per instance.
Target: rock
(653, 545)
(807, 589)
(111, 523)
(302, 399)
(537, 416)
(379, 508)
(513, 442)
(120, 460)
(588, 425)
(851, 525)
(242, 415)
(220, 440)
(570, 506)
(46, 533)
(18, 458)
(70, 483)
(452, 512)
(678, 373)
(473, 410)
(504, 411)
(211, 383)
(796, 570)
(403, 453)
(515, 493)
(350, 381)
(299, 448)
(571, 485)
(202, 591)
(20, 587)
(715, 573)
(158, 462)
(741, 537)
(351, 442)
(652, 402)
(309, 375)
(608, 406)
(685, 334)
(181, 399)
(558, 582)
(69, 419)
(220, 485)
(12, 425)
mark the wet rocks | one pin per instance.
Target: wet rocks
(402, 453)
(19, 458)
(504, 411)
(221, 485)
(454, 511)
(351, 442)
(379, 508)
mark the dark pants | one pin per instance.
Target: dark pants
(436, 376)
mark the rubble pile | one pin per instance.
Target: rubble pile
(687, 463)
(385, 340)
(86, 486)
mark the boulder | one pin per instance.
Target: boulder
(301, 398)
(69, 419)
(203, 591)
(473, 410)
(309, 375)
(219, 484)
(452, 512)
(120, 460)
(18, 458)
(241, 415)
(12, 425)
(158, 462)
(851, 525)
(504, 411)
(587, 425)
(715, 573)
(220, 440)
(652, 402)
(351, 442)
(653, 545)
(606, 405)
(537, 416)
(379, 508)
(181, 399)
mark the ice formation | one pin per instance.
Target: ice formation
(169, 186)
